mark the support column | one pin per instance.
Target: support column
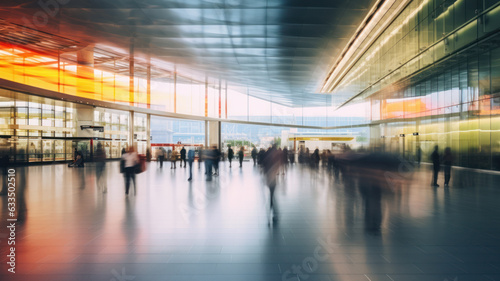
(175, 92)
(220, 99)
(148, 97)
(225, 101)
(206, 133)
(131, 73)
(131, 138)
(206, 97)
(148, 132)
(85, 72)
(214, 133)
(84, 115)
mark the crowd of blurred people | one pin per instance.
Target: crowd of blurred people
(274, 161)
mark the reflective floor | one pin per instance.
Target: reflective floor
(326, 228)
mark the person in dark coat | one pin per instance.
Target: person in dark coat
(100, 165)
(271, 166)
(307, 157)
(291, 156)
(254, 155)
(230, 155)
(183, 156)
(447, 161)
(241, 154)
(208, 157)
(284, 156)
(260, 156)
(315, 159)
(217, 156)
(190, 160)
(436, 165)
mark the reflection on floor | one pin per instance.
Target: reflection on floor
(327, 229)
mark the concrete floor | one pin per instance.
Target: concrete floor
(327, 229)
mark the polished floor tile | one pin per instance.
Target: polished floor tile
(327, 228)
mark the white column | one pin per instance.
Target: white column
(84, 116)
(148, 132)
(214, 133)
(131, 138)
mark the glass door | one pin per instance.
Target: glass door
(34, 150)
(83, 146)
(69, 150)
(21, 150)
(48, 150)
(115, 149)
(59, 150)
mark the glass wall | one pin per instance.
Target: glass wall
(169, 134)
(173, 131)
(168, 92)
(457, 107)
(36, 128)
(45, 130)
(116, 131)
(426, 32)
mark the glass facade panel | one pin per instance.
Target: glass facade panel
(259, 110)
(457, 107)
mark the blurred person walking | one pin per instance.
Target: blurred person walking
(307, 157)
(161, 156)
(217, 155)
(291, 157)
(447, 161)
(190, 159)
(230, 155)
(254, 155)
(271, 167)
(329, 160)
(301, 155)
(130, 161)
(241, 154)
(284, 157)
(419, 155)
(200, 157)
(280, 158)
(436, 166)
(100, 165)
(183, 157)
(260, 156)
(173, 159)
(315, 159)
(208, 157)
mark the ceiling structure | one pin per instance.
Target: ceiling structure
(280, 49)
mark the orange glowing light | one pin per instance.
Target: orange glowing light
(27, 67)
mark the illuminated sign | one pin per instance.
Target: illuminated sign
(344, 139)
